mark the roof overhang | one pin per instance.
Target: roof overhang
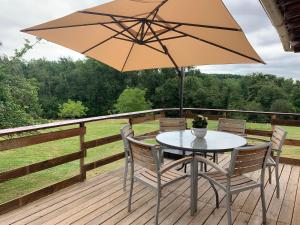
(285, 16)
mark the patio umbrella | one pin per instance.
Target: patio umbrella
(145, 34)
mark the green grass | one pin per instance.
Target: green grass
(25, 156)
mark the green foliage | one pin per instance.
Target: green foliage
(199, 122)
(72, 109)
(282, 105)
(98, 87)
(27, 46)
(19, 103)
(132, 99)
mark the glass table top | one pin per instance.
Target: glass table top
(214, 141)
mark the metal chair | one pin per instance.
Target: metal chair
(234, 126)
(232, 180)
(126, 131)
(277, 139)
(173, 124)
(151, 173)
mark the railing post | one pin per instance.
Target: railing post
(273, 117)
(83, 150)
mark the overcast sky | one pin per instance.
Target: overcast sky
(19, 14)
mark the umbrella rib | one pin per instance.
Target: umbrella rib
(199, 25)
(154, 12)
(166, 31)
(127, 56)
(213, 44)
(75, 25)
(123, 26)
(168, 38)
(137, 34)
(112, 29)
(123, 39)
(165, 21)
(165, 49)
(111, 37)
(156, 49)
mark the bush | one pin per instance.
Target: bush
(72, 109)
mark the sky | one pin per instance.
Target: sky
(19, 14)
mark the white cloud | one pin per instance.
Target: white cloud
(19, 14)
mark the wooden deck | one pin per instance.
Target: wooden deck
(101, 200)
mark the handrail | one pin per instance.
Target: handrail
(131, 114)
(73, 122)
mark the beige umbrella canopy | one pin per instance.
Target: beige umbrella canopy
(144, 34)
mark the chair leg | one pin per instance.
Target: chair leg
(228, 205)
(125, 173)
(264, 210)
(201, 166)
(161, 156)
(157, 206)
(131, 187)
(205, 165)
(270, 174)
(216, 194)
(215, 158)
(277, 181)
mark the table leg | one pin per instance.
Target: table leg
(194, 186)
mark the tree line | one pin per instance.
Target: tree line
(31, 91)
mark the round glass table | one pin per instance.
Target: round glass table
(213, 142)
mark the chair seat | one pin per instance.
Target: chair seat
(149, 177)
(238, 182)
(271, 162)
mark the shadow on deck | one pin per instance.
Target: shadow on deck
(101, 200)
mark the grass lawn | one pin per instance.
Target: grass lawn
(25, 156)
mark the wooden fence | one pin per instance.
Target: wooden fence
(18, 141)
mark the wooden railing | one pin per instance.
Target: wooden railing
(16, 140)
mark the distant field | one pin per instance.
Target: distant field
(24, 156)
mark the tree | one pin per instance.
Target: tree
(72, 109)
(282, 105)
(19, 104)
(132, 99)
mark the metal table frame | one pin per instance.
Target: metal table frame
(194, 165)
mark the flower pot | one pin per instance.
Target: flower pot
(199, 132)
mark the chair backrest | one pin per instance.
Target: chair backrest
(126, 132)
(278, 138)
(144, 155)
(234, 126)
(172, 124)
(249, 159)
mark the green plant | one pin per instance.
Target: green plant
(199, 122)
(132, 99)
(72, 109)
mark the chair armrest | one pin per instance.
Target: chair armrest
(143, 137)
(256, 139)
(212, 164)
(175, 163)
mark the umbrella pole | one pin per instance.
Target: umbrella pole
(181, 75)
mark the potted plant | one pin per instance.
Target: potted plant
(199, 127)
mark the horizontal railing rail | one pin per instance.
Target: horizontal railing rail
(36, 134)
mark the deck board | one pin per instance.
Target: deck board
(101, 200)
